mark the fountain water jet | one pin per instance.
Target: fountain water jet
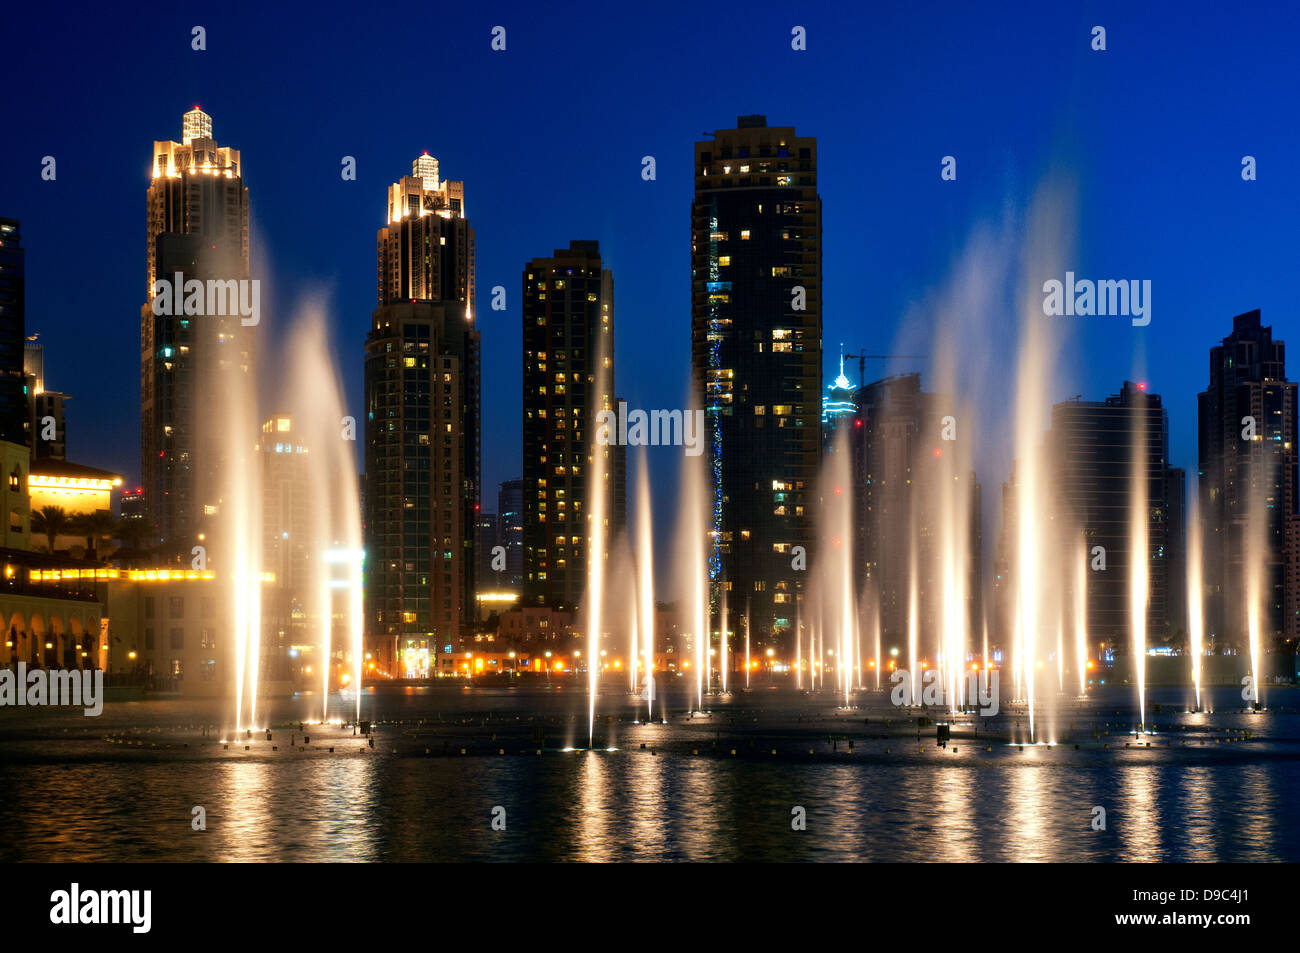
(747, 645)
(334, 506)
(723, 621)
(1195, 597)
(1254, 567)
(1081, 611)
(645, 581)
(1139, 555)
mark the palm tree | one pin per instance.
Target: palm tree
(95, 526)
(53, 521)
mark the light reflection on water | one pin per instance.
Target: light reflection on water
(80, 800)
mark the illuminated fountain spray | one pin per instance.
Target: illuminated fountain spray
(1031, 401)
(694, 544)
(955, 485)
(747, 645)
(645, 589)
(1254, 567)
(598, 491)
(798, 652)
(231, 411)
(334, 504)
(723, 620)
(875, 630)
(913, 614)
(1195, 597)
(1081, 612)
(835, 565)
(241, 512)
(1139, 556)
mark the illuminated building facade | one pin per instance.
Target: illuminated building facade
(756, 352)
(568, 334)
(510, 524)
(197, 224)
(896, 464)
(838, 406)
(422, 370)
(1092, 449)
(1248, 379)
(48, 423)
(13, 330)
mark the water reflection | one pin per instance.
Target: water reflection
(66, 794)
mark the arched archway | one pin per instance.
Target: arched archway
(60, 650)
(15, 638)
(37, 635)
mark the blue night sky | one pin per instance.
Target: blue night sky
(549, 136)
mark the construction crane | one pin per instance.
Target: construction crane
(863, 358)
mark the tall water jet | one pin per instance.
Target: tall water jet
(913, 614)
(334, 505)
(694, 529)
(875, 628)
(1139, 556)
(598, 494)
(1060, 650)
(798, 651)
(634, 649)
(231, 471)
(1031, 398)
(645, 581)
(1080, 603)
(724, 620)
(747, 645)
(1254, 567)
(834, 588)
(1043, 251)
(1195, 596)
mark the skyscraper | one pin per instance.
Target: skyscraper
(422, 428)
(568, 335)
(14, 420)
(1093, 445)
(196, 225)
(1247, 450)
(45, 406)
(510, 516)
(893, 438)
(756, 351)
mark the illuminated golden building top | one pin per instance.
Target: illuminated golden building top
(196, 153)
(423, 193)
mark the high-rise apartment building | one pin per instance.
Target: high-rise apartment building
(48, 425)
(1092, 449)
(14, 420)
(196, 226)
(895, 446)
(510, 520)
(1248, 457)
(756, 353)
(568, 335)
(422, 428)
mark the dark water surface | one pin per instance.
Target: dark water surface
(122, 786)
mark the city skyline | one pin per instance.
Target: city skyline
(913, 254)
(687, 435)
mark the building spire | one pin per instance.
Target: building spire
(842, 382)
